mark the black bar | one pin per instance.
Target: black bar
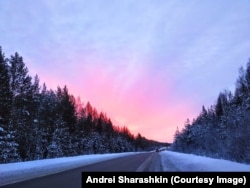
(166, 179)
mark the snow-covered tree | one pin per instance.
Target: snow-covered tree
(20, 83)
(8, 146)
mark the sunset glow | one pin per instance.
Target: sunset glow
(149, 65)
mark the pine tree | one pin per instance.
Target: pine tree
(5, 91)
(67, 108)
(8, 146)
(49, 121)
(21, 84)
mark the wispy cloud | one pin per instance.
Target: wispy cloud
(148, 64)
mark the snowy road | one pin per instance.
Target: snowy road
(148, 161)
(165, 161)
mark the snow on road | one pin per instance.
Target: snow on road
(171, 161)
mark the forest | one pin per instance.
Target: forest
(221, 130)
(41, 123)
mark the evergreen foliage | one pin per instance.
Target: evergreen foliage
(222, 130)
(38, 123)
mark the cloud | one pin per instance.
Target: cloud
(148, 64)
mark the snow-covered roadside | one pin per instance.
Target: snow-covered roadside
(171, 161)
(189, 162)
(14, 172)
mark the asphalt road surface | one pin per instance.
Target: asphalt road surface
(143, 162)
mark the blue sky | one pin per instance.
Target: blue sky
(149, 64)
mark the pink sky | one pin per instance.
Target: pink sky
(149, 65)
(131, 96)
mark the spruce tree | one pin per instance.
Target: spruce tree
(20, 83)
(8, 146)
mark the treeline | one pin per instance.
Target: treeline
(223, 129)
(40, 123)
